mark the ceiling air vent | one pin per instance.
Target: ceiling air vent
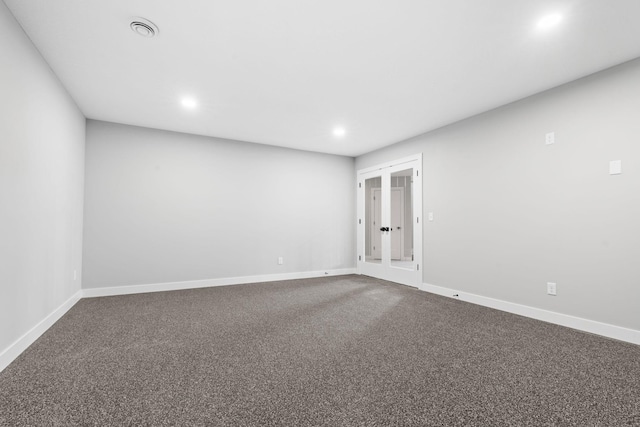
(144, 27)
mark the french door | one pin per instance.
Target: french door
(390, 221)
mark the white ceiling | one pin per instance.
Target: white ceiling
(287, 72)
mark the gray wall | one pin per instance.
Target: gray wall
(41, 178)
(511, 213)
(166, 207)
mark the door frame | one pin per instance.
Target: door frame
(386, 271)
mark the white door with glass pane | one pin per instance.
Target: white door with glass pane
(390, 221)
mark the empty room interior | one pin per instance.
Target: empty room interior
(320, 213)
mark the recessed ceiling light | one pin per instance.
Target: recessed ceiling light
(339, 132)
(144, 27)
(189, 103)
(549, 21)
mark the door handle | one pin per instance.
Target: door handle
(384, 228)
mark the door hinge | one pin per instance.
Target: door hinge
(418, 267)
(359, 185)
(359, 257)
(359, 221)
(418, 220)
(417, 173)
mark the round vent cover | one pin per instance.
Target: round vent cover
(144, 27)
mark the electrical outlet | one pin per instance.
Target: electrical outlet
(280, 260)
(551, 288)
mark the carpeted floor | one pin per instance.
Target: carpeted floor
(341, 351)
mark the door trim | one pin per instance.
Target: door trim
(387, 272)
(415, 157)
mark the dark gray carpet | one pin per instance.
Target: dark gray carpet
(343, 351)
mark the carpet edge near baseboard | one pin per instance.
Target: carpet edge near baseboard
(208, 283)
(11, 353)
(586, 325)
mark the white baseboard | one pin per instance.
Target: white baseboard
(194, 284)
(586, 325)
(21, 344)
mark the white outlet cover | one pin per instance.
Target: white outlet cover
(551, 288)
(280, 260)
(615, 167)
(550, 138)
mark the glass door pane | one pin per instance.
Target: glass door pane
(401, 214)
(373, 219)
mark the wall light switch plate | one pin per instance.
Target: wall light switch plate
(615, 167)
(430, 216)
(550, 138)
(551, 288)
